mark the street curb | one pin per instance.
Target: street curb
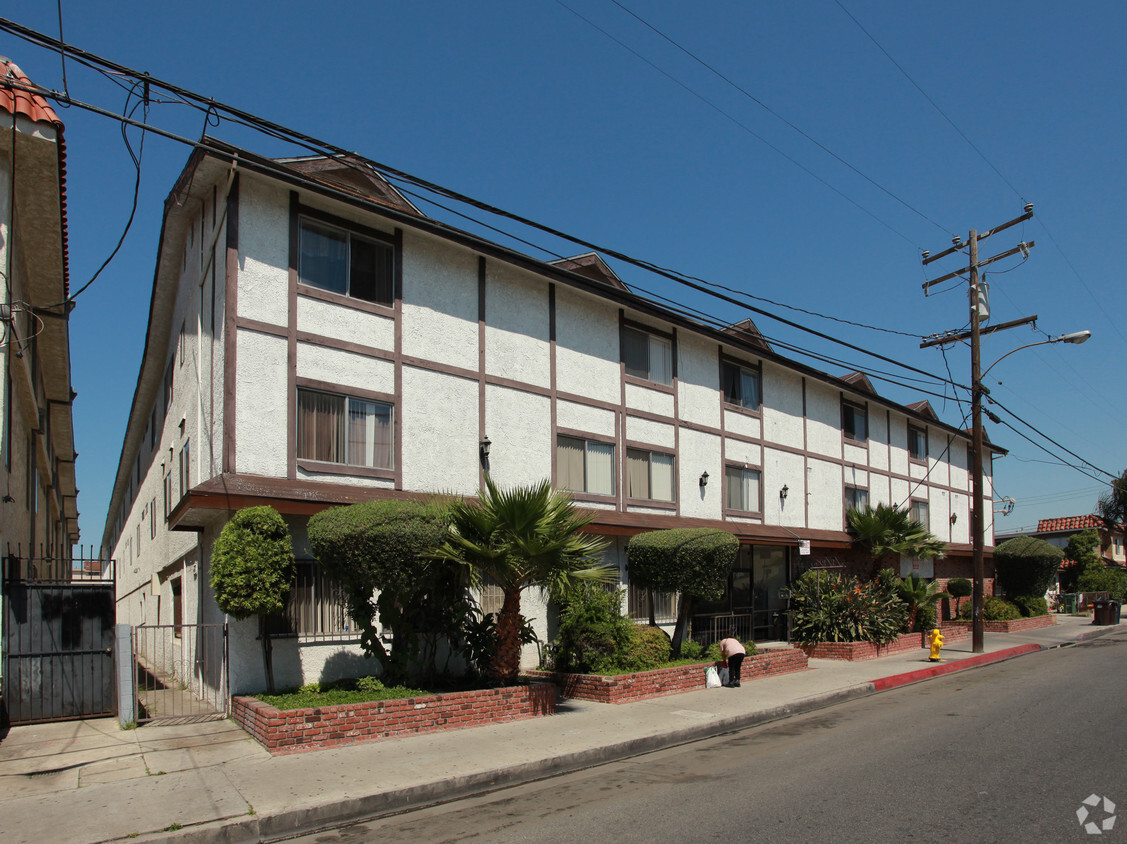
(288, 824)
(894, 682)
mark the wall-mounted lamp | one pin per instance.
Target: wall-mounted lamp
(704, 479)
(954, 518)
(783, 492)
(485, 445)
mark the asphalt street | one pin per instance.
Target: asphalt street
(1007, 752)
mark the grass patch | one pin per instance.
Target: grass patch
(356, 690)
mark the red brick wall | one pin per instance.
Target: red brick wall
(1015, 626)
(328, 726)
(862, 650)
(624, 688)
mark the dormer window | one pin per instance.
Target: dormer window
(647, 355)
(854, 421)
(340, 261)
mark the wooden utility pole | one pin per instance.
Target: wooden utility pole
(975, 335)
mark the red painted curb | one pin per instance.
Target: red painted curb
(950, 667)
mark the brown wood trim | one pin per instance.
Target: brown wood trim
(291, 338)
(337, 389)
(322, 468)
(588, 402)
(594, 498)
(230, 313)
(345, 346)
(749, 514)
(483, 462)
(512, 384)
(738, 408)
(441, 368)
(652, 504)
(397, 416)
(586, 435)
(553, 395)
(306, 291)
(656, 449)
(259, 327)
(646, 384)
(649, 329)
(340, 222)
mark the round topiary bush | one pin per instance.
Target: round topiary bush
(1031, 605)
(1027, 565)
(648, 648)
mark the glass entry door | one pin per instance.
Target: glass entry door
(752, 605)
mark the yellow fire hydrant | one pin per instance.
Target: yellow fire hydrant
(936, 642)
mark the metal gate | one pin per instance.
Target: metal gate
(58, 650)
(180, 672)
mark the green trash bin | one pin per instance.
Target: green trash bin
(1069, 601)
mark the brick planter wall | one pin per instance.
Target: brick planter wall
(854, 651)
(624, 688)
(1015, 626)
(350, 723)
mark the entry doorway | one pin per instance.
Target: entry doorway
(754, 603)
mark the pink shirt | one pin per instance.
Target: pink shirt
(731, 647)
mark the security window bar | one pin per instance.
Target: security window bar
(341, 262)
(647, 355)
(741, 386)
(316, 606)
(584, 465)
(649, 475)
(341, 429)
(742, 489)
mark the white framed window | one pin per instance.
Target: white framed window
(584, 465)
(742, 488)
(917, 443)
(647, 355)
(334, 428)
(649, 475)
(335, 259)
(742, 385)
(854, 421)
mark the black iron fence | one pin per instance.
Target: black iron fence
(180, 672)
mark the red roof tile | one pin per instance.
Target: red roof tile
(1069, 523)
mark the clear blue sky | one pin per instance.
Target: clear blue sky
(634, 144)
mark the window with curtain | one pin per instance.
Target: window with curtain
(315, 606)
(340, 261)
(584, 465)
(917, 443)
(649, 475)
(647, 355)
(340, 429)
(742, 489)
(856, 498)
(741, 385)
(919, 512)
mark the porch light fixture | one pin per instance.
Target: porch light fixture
(783, 492)
(954, 518)
(484, 446)
(704, 479)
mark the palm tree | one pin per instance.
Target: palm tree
(888, 531)
(918, 593)
(522, 537)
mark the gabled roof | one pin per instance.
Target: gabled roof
(591, 265)
(747, 331)
(923, 408)
(354, 176)
(861, 382)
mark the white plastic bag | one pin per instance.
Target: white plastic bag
(711, 678)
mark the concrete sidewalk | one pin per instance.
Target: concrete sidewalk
(90, 781)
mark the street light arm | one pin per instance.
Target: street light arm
(1074, 337)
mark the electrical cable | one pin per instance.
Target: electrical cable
(739, 124)
(1041, 433)
(779, 117)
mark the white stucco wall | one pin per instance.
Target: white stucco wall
(782, 406)
(440, 432)
(700, 452)
(824, 495)
(346, 324)
(261, 399)
(520, 428)
(649, 401)
(698, 380)
(440, 303)
(783, 468)
(823, 421)
(649, 432)
(264, 242)
(742, 424)
(587, 347)
(345, 369)
(584, 417)
(517, 326)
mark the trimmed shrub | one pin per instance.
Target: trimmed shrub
(993, 609)
(959, 588)
(252, 563)
(649, 648)
(1027, 565)
(1031, 605)
(593, 634)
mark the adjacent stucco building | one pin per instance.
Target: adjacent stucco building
(315, 340)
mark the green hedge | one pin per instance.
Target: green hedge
(1027, 565)
(695, 561)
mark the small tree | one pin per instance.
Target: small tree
(252, 570)
(959, 588)
(693, 561)
(383, 548)
(1027, 565)
(1112, 505)
(921, 596)
(1083, 551)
